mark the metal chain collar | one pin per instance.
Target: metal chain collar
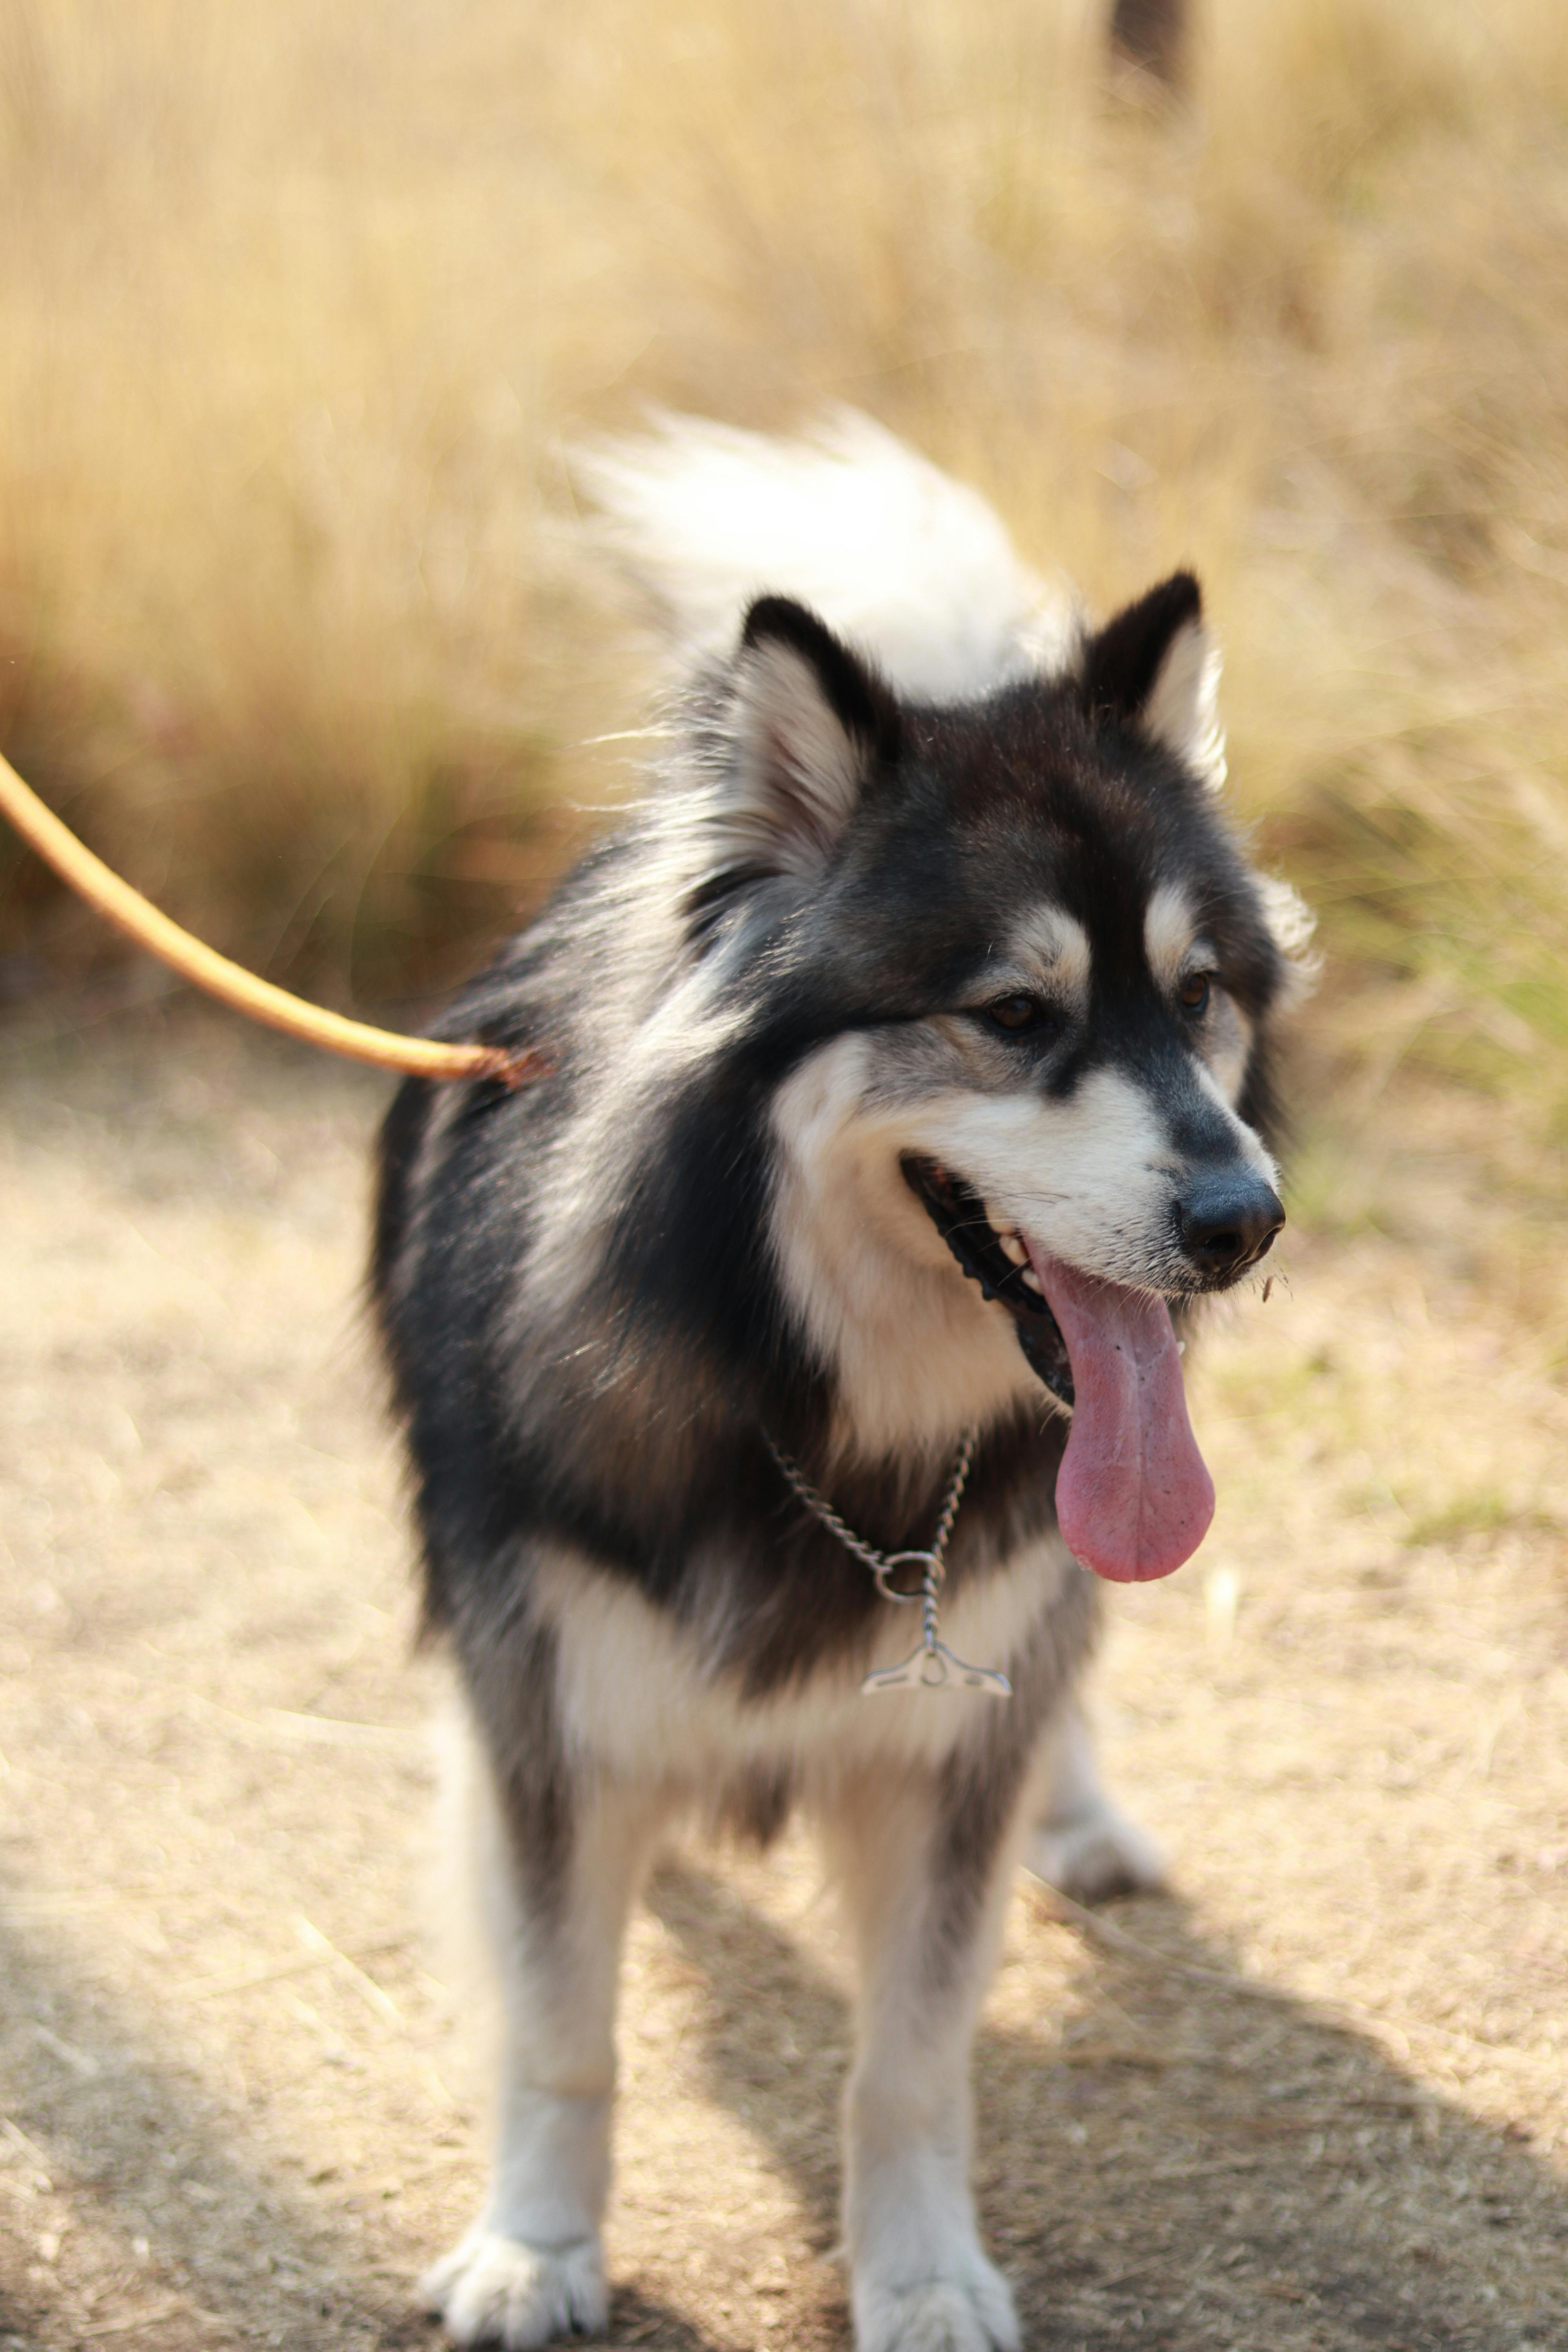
(933, 1666)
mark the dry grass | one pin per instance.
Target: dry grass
(298, 301)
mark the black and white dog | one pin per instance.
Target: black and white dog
(911, 1075)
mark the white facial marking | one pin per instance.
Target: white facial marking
(872, 1279)
(1229, 1046)
(1168, 928)
(1090, 1180)
(1051, 948)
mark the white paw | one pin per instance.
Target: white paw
(972, 2314)
(1093, 1853)
(495, 2290)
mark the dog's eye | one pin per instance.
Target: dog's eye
(1015, 1014)
(1193, 995)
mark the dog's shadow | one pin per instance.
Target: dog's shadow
(1186, 2164)
(1188, 2160)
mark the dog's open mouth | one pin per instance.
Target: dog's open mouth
(1133, 1498)
(999, 1262)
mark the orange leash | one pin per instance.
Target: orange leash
(423, 1057)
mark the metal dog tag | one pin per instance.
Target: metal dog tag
(934, 1667)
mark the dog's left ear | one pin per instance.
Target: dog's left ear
(811, 724)
(1155, 668)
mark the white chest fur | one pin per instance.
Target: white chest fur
(643, 1697)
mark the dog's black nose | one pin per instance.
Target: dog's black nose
(1228, 1222)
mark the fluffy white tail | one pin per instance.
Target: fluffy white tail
(898, 558)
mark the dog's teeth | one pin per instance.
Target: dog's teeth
(1032, 1279)
(1013, 1248)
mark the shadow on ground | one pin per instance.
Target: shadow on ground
(1197, 2162)
(134, 2195)
(170, 2217)
(1193, 2162)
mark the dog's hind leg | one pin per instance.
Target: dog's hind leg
(559, 1869)
(1080, 1841)
(924, 1861)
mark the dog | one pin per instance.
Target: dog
(912, 1047)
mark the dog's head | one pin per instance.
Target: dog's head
(1018, 977)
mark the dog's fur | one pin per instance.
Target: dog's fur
(603, 1295)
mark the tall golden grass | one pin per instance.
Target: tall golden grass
(299, 300)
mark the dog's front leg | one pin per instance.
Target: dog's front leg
(925, 1871)
(558, 1871)
(1080, 1841)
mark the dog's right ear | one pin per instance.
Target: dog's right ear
(809, 724)
(1155, 668)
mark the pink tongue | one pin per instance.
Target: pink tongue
(1133, 1498)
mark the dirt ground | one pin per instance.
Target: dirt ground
(1315, 2097)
